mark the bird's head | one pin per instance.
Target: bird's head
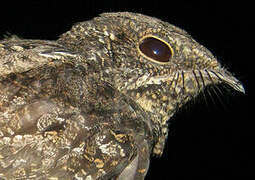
(158, 65)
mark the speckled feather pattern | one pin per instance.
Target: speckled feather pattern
(91, 105)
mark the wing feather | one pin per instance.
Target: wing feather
(17, 56)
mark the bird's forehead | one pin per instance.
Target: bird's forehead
(143, 21)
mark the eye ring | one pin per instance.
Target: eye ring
(155, 49)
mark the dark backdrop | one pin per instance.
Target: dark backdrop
(210, 140)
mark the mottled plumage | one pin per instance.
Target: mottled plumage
(95, 104)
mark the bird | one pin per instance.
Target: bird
(96, 103)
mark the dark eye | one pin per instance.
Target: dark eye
(155, 49)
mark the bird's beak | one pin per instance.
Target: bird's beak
(226, 77)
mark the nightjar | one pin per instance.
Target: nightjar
(95, 104)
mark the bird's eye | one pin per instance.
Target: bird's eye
(156, 49)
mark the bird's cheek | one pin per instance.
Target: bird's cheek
(145, 103)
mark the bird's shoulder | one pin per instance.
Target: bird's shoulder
(20, 55)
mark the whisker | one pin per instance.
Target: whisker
(210, 95)
(226, 88)
(176, 82)
(223, 103)
(203, 82)
(216, 75)
(202, 78)
(220, 73)
(196, 79)
(183, 84)
(219, 90)
(172, 79)
(210, 77)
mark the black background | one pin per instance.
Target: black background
(210, 140)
